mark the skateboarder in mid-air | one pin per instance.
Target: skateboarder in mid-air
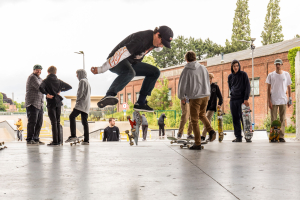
(239, 87)
(125, 61)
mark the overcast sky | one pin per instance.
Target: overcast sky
(48, 32)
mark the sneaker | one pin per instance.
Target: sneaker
(274, 141)
(32, 143)
(144, 108)
(53, 144)
(281, 140)
(85, 143)
(191, 137)
(179, 135)
(71, 139)
(248, 140)
(40, 142)
(212, 135)
(202, 138)
(237, 140)
(107, 100)
(196, 147)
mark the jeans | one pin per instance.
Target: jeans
(54, 115)
(161, 129)
(35, 122)
(19, 134)
(127, 72)
(198, 111)
(84, 117)
(236, 112)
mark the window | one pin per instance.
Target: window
(121, 98)
(256, 86)
(128, 97)
(170, 94)
(137, 94)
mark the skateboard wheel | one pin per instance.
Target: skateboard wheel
(202, 147)
(181, 146)
(171, 142)
(71, 144)
(188, 146)
(131, 143)
(127, 131)
(133, 130)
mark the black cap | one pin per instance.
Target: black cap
(166, 34)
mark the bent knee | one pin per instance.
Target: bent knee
(156, 73)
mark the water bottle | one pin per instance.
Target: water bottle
(252, 126)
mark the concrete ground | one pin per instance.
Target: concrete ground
(152, 170)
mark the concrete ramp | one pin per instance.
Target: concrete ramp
(5, 135)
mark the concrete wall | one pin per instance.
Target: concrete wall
(10, 128)
(297, 85)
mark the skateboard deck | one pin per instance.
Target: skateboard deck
(247, 123)
(220, 124)
(275, 131)
(135, 127)
(2, 146)
(77, 140)
(184, 142)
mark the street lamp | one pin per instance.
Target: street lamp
(252, 48)
(81, 52)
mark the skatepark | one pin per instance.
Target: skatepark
(153, 169)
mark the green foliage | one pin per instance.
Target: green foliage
(290, 129)
(272, 32)
(241, 28)
(297, 36)
(159, 96)
(293, 118)
(2, 106)
(150, 60)
(20, 106)
(291, 57)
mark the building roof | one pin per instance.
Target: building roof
(265, 50)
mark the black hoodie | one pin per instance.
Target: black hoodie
(239, 84)
(52, 85)
(214, 94)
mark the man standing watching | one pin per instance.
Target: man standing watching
(161, 125)
(125, 60)
(144, 127)
(111, 133)
(34, 106)
(212, 103)
(239, 87)
(279, 82)
(194, 85)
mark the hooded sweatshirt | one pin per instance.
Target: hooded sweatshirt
(83, 100)
(194, 82)
(239, 84)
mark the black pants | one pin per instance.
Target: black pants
(145, 129)
(84, 117)
(35, 122)
(127, 72)
(236, 112)
(54, 115)
(161, 129)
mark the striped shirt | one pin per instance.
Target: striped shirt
(33, 95)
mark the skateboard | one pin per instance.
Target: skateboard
(185, 142)
(2, 146)
(135, 127)
(275, 131)
(247, 123)
(77, 140)
(220, 124)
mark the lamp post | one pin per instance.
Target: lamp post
(252, 46)
(81, 52)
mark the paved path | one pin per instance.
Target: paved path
(152, 170)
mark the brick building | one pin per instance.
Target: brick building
(264, 58)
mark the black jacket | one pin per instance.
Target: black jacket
(239, 84)
(138, 44)
(111, 134)
(214, 94)
(161, 119)
(52, 85)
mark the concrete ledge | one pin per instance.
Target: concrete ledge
(10, 127)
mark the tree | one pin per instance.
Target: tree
(159, 96)
(241, 27)
(297, 36)
(2, 106)
(150, 60)
(272, 32)
(165, 57)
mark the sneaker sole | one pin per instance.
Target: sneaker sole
(137, 109)
(111, 101)
(32, 144)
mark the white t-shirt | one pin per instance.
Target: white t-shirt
(279, 83)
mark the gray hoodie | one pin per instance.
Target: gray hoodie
(83, 100)
(194, 81)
